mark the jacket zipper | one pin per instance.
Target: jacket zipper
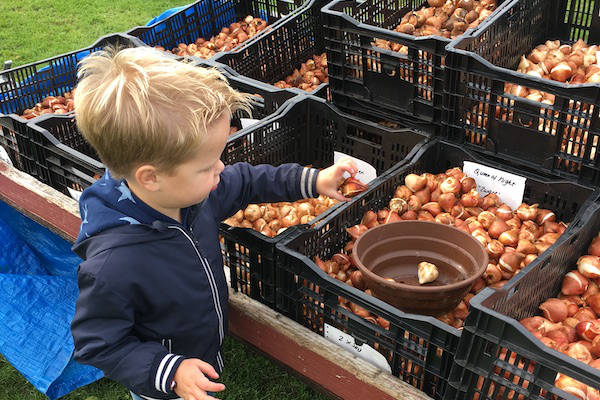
(213, 288)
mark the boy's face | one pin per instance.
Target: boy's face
(192, 181)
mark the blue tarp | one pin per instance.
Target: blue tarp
(165, 14)
(38, 289)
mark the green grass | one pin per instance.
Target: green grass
(34, 30)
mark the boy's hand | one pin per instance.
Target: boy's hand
(192, 381)
(330, 179)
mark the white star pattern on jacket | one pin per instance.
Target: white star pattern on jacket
(132, 221)
(125, 193)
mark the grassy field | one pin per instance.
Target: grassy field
(33, 30)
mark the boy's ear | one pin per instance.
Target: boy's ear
(146, 176)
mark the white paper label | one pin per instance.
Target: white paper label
(246, 122)
(509, 187)
(364, 351)
(4, 155)
(227, 275)
(74, 193)
(366, 172)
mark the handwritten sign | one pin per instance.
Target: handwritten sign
(364, 351)
(366, 172)
(76, 194)
(246, 122)
(227, 275)
(509, 187)
(4, 155)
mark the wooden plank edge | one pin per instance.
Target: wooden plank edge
(40, 202)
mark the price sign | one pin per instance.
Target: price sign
(509, 187)
(363, 351)
(366, 172)
(76, 194)
(246, 122)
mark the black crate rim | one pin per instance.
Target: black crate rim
(55, 142)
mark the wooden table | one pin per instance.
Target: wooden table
(326, 365)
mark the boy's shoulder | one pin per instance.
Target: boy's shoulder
(118, 251)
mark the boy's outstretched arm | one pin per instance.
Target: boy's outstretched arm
(242, 184)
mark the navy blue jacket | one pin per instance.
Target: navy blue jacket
(152, 291)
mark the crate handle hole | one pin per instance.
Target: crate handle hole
(574, 238)
(389, 70)
(514, 290)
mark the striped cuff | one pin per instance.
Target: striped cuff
(308, 183)
(166, 371)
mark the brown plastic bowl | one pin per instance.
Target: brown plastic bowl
(394, 250)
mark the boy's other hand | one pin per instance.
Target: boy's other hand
(192, 382)
(330, 179)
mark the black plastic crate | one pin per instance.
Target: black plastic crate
(497, 357)
(306, 130)
(268, 99)
(58, 155)
(562, 137)
(360, 72)
(22, 87)
(275, 54)
(419, 349)
(206, 18)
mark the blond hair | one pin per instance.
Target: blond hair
(138, 106)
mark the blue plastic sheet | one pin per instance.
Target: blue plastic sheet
(38, 289)
(165, 14)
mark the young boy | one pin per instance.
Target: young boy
(152, 307)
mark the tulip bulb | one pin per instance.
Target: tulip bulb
(415, 182)
(427, 272)
(589, 266)
(352, 186)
